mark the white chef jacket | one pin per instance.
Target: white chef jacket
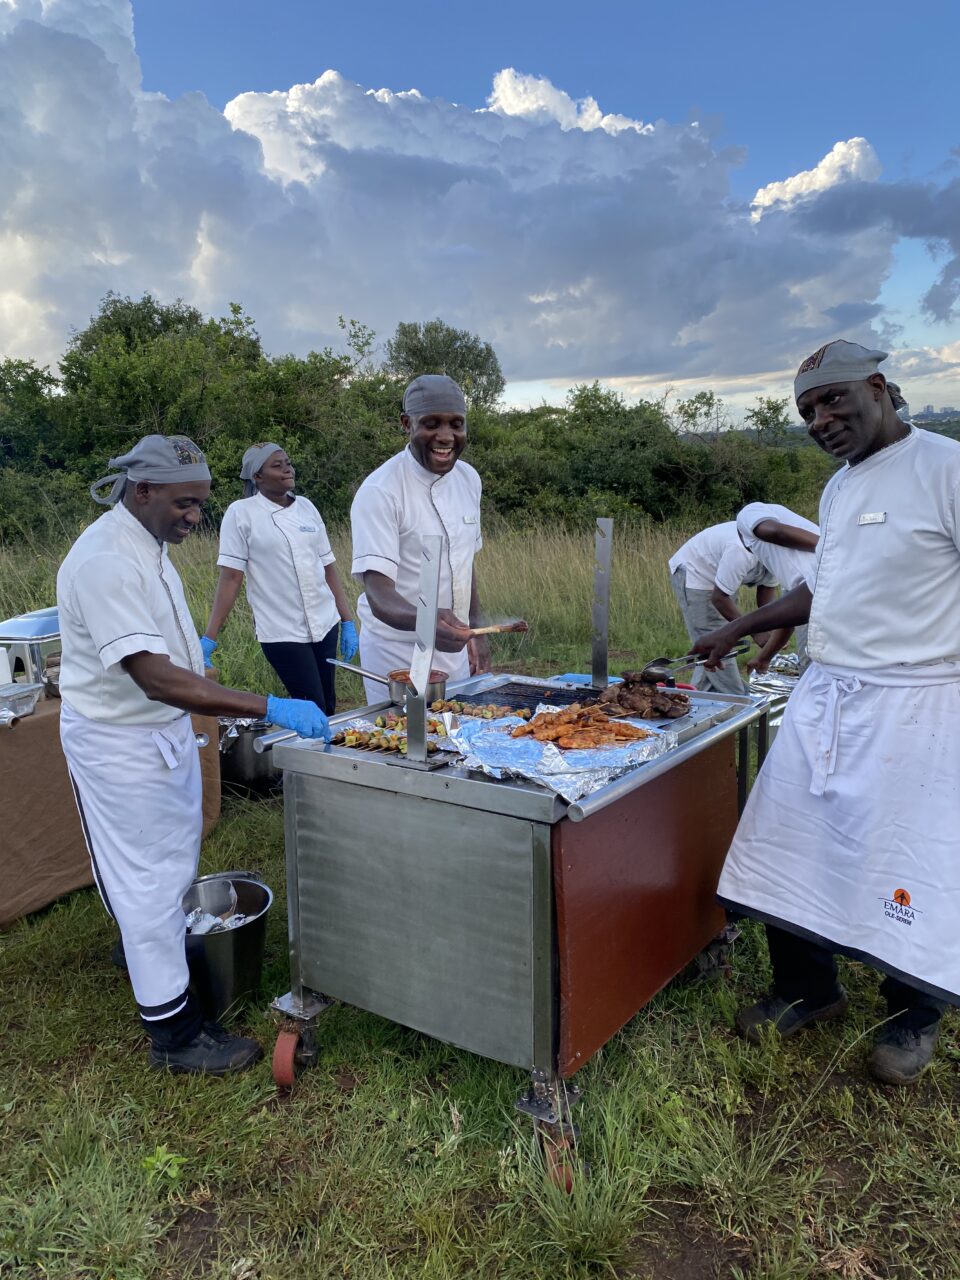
(784, 564)
(886, 573)
(119, 594)
(717, 556)
(283, 551)
(396, 506)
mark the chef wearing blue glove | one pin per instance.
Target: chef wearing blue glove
(276, 539)
(349, 640)
(131, 674)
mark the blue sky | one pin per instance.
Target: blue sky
(784, 81)
(594, 203)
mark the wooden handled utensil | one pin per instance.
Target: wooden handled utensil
(500, 628)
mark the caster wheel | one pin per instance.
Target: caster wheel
(559, 1160)
(285, 1057)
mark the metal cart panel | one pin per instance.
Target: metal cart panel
(430, 915)
(635, 890)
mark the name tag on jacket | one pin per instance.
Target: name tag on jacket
(872, 517)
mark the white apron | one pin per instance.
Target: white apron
(851, 835)
(385, 653)
(138, 791)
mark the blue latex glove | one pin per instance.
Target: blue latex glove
(349, 641)
(304, 718)
(208, 646)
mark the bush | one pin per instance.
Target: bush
(142, 366)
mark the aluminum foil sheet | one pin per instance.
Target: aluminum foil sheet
(487, 745)
(781, 679)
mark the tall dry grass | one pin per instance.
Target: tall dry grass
(545, 576)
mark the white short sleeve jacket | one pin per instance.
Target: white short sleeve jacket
(716, 557)
(785, 565)
(395, 507)
(283, 551)
(886, 574)
(119, 594)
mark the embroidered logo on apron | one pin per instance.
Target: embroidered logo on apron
(899, 907)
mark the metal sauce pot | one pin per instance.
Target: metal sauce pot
(398, 682)
(240, 762)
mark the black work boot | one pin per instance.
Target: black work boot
(787, 1016)
(211, 1052)
(901, 1052)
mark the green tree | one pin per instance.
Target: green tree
(436, 347)
(144, 366)
(27, 423)
(702, 413)
(769, 418)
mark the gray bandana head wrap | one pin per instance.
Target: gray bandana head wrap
(839, 361)
(433, 393)
(157, 460)
(253, 460)
(898, 402)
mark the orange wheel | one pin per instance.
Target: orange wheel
(558, 1156)
(285, 1057)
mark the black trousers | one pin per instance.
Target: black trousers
(804, 971)
(304, 670)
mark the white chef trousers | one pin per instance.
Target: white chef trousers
(138, 791)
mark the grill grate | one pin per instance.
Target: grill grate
(518, 695)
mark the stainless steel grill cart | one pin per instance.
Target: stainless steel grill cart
(494, 915)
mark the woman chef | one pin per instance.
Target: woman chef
(278, 540)
(425, 489)
(131, 672)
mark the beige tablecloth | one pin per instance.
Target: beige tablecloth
(42, 853)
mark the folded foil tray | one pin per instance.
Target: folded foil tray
(20, 699)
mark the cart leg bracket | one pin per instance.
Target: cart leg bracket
(306, 1008)
(715, 958)
(548, 1100)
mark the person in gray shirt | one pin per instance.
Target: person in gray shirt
(706, 574)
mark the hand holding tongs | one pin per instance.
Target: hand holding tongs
(666, 668)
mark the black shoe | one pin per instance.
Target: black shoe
(900, 1054)
(787, 1016)
(212, 1052)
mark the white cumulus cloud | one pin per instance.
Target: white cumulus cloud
(581, 244)
(535, 98)
(853, 160)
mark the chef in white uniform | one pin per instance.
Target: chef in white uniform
(706, 574)
(276, 538)
(784, 543)
(131, 672)
(425, 489)
(850, 841)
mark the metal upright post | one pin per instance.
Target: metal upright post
(426, 640)
(601, 603)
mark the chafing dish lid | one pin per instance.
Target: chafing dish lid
(41, 624)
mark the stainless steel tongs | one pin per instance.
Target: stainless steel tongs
(664, 669)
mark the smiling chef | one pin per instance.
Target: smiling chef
(131, 672)
(425, 489)
(850, 841)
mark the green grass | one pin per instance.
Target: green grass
(400, 1157)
